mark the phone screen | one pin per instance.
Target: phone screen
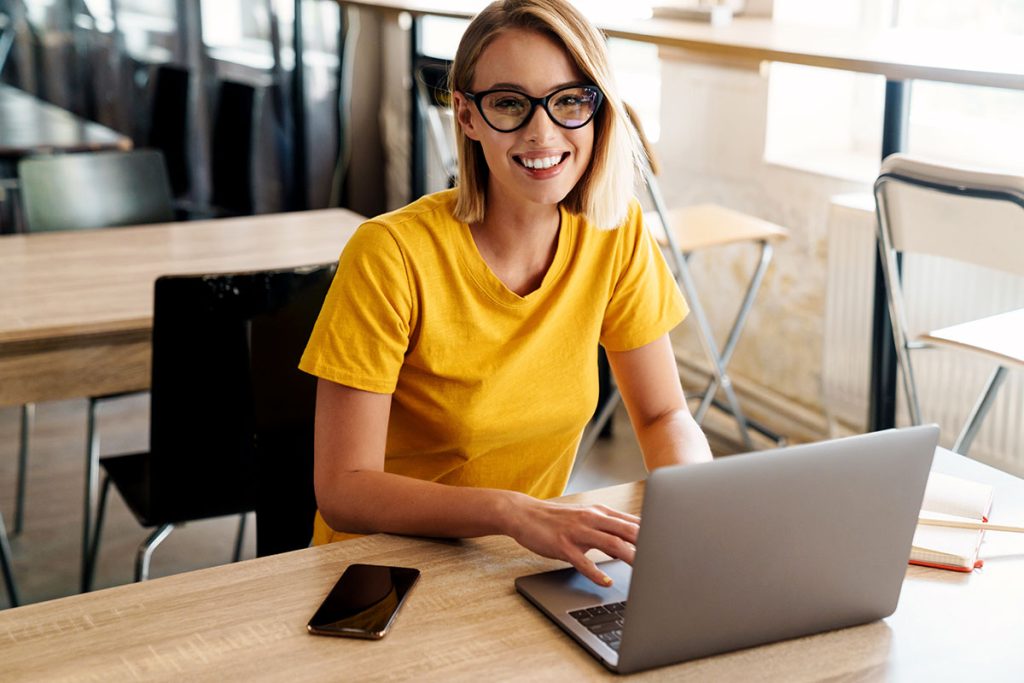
(364, 601)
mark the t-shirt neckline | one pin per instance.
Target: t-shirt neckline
(492, 285)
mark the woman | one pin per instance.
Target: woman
(457, 348)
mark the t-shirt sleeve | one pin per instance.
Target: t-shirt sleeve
(362, 334)
(645, 301)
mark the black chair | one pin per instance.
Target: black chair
(168, 123)
(77, 192)
(284, 402)
(220, 345)
(232, 149)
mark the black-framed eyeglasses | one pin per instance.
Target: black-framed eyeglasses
(571, 107)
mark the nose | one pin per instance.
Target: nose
(540, 126)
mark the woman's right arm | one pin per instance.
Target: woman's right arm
(354, 493)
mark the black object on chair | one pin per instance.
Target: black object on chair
(203, 423)
(77, 192)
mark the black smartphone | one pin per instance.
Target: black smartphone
(364, 601)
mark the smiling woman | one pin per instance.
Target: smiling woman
(457, 348)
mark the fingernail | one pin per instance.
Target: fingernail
(607, 580)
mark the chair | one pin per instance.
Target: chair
(964, 215)
(284, 404)
(168, 122)
(434, 104)
(232, 149)
(77, 192)
(691, 229)
(216, 339)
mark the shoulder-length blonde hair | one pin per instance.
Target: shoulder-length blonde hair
(603, 192)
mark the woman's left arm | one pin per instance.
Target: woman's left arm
(649, 382)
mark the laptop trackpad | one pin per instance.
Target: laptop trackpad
(566, 589)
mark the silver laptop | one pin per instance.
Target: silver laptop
(751, 549)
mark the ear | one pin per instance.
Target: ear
(464, 114)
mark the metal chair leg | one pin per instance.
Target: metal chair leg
(240, 538)
(94, 544)
(706, 335)
(146, 549)
(92, 460)
(28, 412)
(5, 564)
(737, 326)
(966, 437)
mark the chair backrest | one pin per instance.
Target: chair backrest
(168, 123)
(224, 348)
(232, 147)
(94, 190)
(284, 402)
(434, 101)
(952, 212)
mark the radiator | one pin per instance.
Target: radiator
(938, 292)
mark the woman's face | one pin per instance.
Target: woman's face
(541, 162)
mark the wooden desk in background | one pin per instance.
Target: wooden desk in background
(31, 126)
(76, 313)
(77, 307)
(464, 621)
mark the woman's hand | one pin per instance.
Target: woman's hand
(566, 532)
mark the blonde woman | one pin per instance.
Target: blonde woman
(457, 348)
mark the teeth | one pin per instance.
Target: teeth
(545, 162)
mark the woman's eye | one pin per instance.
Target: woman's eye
(568, 101)
(508, 104)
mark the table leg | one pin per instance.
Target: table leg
(882, 394)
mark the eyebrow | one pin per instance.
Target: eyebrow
(520, 88)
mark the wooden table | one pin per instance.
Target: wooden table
(76, 314)
(77, 307)
(897, 54)
(1001, 337)
(31, 126)
(464, 620)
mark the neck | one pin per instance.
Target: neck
(518, 241)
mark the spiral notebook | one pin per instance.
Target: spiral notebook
(955, 499)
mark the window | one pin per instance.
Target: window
(830, 121)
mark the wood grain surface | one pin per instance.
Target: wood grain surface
(464, 620)
(952, 57)
(77, 307)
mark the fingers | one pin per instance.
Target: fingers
(624, 529)
(612, 512)
(612, 546)
(585, 566)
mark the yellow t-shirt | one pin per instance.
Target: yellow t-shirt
(489, 388)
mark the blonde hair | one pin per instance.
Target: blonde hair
(603, 193)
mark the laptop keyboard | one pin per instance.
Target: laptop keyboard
(604, 621)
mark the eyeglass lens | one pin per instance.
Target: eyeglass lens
(571, 107)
